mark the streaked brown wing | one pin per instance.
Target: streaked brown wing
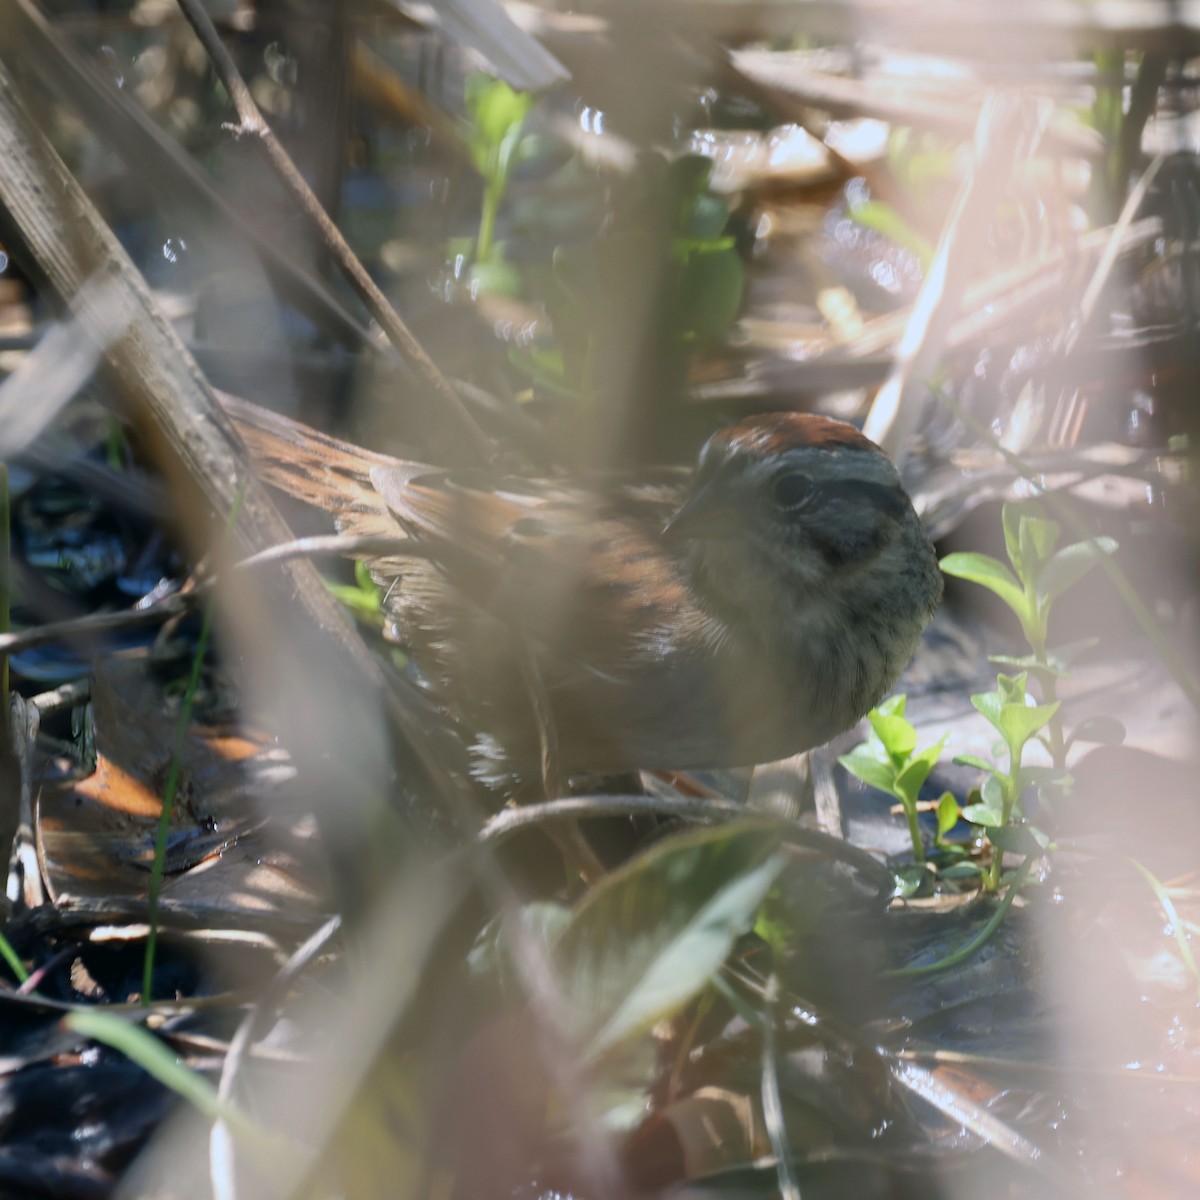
(565, 566)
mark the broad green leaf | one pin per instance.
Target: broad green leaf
(1019, 722)
(910, 880)
(711, 292)
(1100, 729)
(649, 936)
(961, 870)
(495, 107)
(899, 738)
(991, 793)
(916, 770)
(495, 277)
(893, 706)
(875, 772)
(1070, 565)
(947, 814)
(776, 924)
(990, 573)
(708, 218)
(688, 177)
(989, 704)
(983, 814)
(1019, 839)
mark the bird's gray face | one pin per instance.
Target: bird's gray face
(791, 522)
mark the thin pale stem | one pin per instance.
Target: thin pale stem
(251, 122)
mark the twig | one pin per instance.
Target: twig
(512, 820)
(337, 681)
(221, 1146)
(252, 123)
(93, 624)
(68, 695)
(179, 183)
(341, 545)
(1112, 250)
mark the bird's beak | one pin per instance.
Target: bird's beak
(704, 514)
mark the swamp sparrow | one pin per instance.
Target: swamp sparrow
(748, 611)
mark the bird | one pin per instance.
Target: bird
(742, 611)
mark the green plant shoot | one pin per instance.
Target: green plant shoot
(1011, 712)
(497, 115)
(1039, 574)
(890, 761)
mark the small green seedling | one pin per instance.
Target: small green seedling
(1013, 714)
(890, 761)
(364, 597)
(1040, 573)
(497, 118)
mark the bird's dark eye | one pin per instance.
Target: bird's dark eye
(791, 490)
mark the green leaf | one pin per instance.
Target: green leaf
(916, 771)
(885, 219)
(1099, 729)
(893, 706)
(1036, 538)
(961, 870)
(990, 573)
(899, 738)
(910, 880)
(983, 814)
(863, 763)
(1012, 688)
(991, 793)
(989, 704)
(1019, 722)
(495, 108)
(1026, 662)
(1070, 565)
(649, 936)
(708, 218)
(688, 177)
(1010, 518)
(495, 277)
(711, 292)
(1019, 839)
(947, 814)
